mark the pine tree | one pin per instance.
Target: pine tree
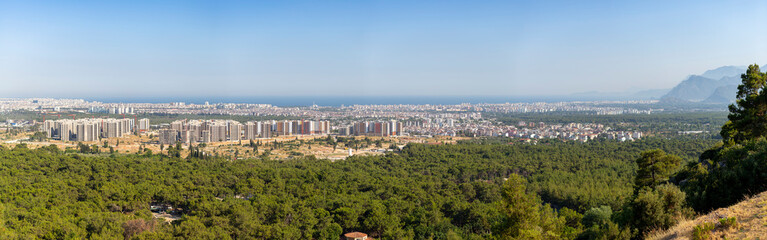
(748, 116)
(520, 208)
(655, 167)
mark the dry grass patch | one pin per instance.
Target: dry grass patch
(745, 220)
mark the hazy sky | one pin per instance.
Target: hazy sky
(246, 48)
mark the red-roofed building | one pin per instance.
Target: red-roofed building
(355, 236)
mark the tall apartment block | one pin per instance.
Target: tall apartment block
(192, 131)
(87, 129)
(266, 130)
(235, 131)
(380, 128)
(143, 125)
(168, 136)
(252, 130)
(296, 127)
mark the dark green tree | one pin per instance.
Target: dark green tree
(520, 208)
(599, 225)
(526, 218)
(655, 167)
(597, 216)
(84, 148)
(659, 208)
(748, 116)
(39, 136)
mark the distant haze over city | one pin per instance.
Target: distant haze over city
(361, 100)
(391, 51)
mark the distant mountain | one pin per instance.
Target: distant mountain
(726, 71)
(695, 88)
(732, 80)
(713, 86)
(723, 94)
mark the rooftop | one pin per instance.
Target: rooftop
(355, 235)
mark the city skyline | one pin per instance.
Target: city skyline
(190, 49)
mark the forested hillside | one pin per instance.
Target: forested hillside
(732, 171)
(738, 167)
(426, 191)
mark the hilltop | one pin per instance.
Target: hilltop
(751, 216)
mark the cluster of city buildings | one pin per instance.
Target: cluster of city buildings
(373, 128)
(300, 127)
(112, 109)
(624, 135)
(30, 104)
(522, 130)
(359, 120)
(92, 129)
(204, 131)
(572, 131)
(594, 107)
(393, 111)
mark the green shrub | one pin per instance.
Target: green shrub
(702, 231)
(658, 208)
(728, 223)
(597, 216)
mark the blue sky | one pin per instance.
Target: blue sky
(372, 48)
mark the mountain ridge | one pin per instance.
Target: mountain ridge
(715, 86)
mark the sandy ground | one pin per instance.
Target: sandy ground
(166, 216)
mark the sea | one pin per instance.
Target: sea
(337, 101)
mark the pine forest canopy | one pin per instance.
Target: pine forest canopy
(425, 191)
